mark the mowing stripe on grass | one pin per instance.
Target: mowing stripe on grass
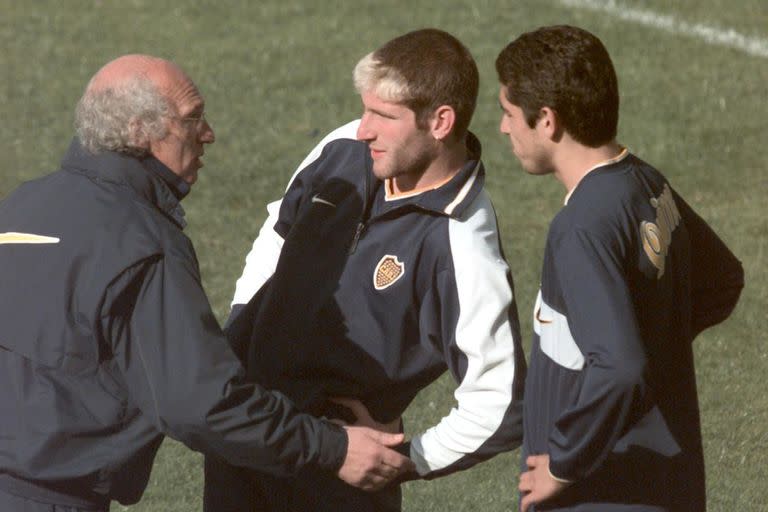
(712, 35)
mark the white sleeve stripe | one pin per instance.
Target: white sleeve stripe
(484, 335)
(555, 338)
(261, 261)
(464, 190)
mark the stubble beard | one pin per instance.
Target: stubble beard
(408, 167)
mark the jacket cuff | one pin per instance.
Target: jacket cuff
(333, 449)
(558, 479)
(555, 471)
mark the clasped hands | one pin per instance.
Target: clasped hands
(371, 463)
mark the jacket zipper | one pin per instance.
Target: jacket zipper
(358, 232)
(362, 224)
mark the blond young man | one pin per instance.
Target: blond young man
(384, 253)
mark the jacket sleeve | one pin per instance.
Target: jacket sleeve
(182, 375)
(717, 276)
(261, 261)
(471, 313)
(602, 322)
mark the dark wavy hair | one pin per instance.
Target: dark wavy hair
(568, 70)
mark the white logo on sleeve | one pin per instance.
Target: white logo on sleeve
(12, 237)
(317, 199)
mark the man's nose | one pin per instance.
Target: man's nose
(208, 137)
(364, 131)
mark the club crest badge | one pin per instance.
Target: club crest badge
(388, 270)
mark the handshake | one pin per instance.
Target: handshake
(371, 463)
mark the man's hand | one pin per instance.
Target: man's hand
(537, 484)
(370, 464)
(364, 418)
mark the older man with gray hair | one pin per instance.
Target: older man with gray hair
(107, 340)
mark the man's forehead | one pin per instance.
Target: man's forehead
(372, 98)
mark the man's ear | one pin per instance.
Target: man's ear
(549, 124)
(442, 122)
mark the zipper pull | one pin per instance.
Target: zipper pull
(358, 232)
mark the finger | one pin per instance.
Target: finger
(380, 437)
(387, 439)
(397, 461)
(525, 482)
(380, 477)
(377, 484)
(526, 503)
(371, 483)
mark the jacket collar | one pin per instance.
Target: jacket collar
(451, 198)
(147, 177)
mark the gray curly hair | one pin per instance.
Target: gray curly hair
(122, 118)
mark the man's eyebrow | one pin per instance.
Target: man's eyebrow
(381, 113)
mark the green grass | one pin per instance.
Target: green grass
(276, 76)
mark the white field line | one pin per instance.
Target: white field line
(711, 35)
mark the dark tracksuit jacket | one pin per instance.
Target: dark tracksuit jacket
(108, 342)
(375, 296)
(631, 275)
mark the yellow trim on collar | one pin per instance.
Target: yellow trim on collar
(623, 154)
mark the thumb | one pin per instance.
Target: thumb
(526, 503)
(385, 438)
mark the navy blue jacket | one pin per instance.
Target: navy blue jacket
(107, 342)
(631, 275)
(374, 296)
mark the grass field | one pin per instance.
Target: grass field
(276, 76)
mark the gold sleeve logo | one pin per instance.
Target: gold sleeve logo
(388, 270)
(657, 236)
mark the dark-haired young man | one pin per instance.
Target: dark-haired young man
(384, 255)
(631, 275)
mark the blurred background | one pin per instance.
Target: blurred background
(276, 75)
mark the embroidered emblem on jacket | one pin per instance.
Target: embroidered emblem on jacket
(657, 236)
(26, 238)
(388, 270)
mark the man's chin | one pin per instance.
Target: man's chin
(381, 173)
(191, 178)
